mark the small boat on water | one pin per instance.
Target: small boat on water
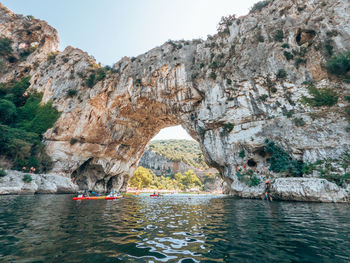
(111, 196)
(96, 197)
(155, 195)
(88, 197)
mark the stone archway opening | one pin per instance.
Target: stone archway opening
(112, 133)
(139, 122)
(173, 151)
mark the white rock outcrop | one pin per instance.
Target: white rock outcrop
(13, 183)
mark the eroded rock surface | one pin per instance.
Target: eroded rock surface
(13, 183)
(225, 91)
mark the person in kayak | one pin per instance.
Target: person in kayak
(86, 193)
(267, 190)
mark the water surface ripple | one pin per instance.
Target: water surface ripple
(176, 228)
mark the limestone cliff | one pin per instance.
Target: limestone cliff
(231, 92)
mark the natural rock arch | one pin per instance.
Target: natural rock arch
(128, 121)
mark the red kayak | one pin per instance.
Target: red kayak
(96, 197)
(155, 195)
(112, 197)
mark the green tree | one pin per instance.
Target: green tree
(7, 111)
(37, 118)
(320, 97)
(340, 64)
(18, 90)
(190, 180)
(23, 120)
(5, 46)
(142, 178)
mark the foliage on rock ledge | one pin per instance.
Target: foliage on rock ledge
(334, 170)
(23, 121)
(339, 65)
(320, 97)
(281, 162)
(248, 177)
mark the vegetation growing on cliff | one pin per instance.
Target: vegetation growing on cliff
(334, 170)
(260, 5)
(2, 172)
(281, 162)
(27, 178)
(22, 123)
(248, 177)
(185, 151)
(5, 46)
(145, 178)
(339, 65)
(320, 97)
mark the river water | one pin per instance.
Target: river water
(175, 228)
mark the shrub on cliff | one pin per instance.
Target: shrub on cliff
(36, 117)
(248, 177)
(27, 178)
(8, 111)
(339, 65)
(279, 36)
(288, 55)
(281, 162)
(228, 127)
(101, 74)
(5, 46)
(242, 153)
(260, 5)
(2, 172)
(51, 57)
(24, 149)
(26, 52)
(73, 141)
(299, 122)
(320, 97)
(72, 92)
(15, 92)
(281, 74)
(339, 180)
(20, 137)
(91, 80)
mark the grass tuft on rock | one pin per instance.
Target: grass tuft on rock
(320, 97)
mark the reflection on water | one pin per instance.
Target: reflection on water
(177, 228)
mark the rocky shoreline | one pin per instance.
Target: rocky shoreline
(286, 189)
(295, 189)
(13, 184)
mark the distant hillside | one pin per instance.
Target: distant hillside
(185, 151)
(165, 158)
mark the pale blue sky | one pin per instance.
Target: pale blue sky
(111, 29)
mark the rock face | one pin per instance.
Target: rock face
(230, 92)
(161, 165)
(13, 183)
(309, 189)
(295, 189)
